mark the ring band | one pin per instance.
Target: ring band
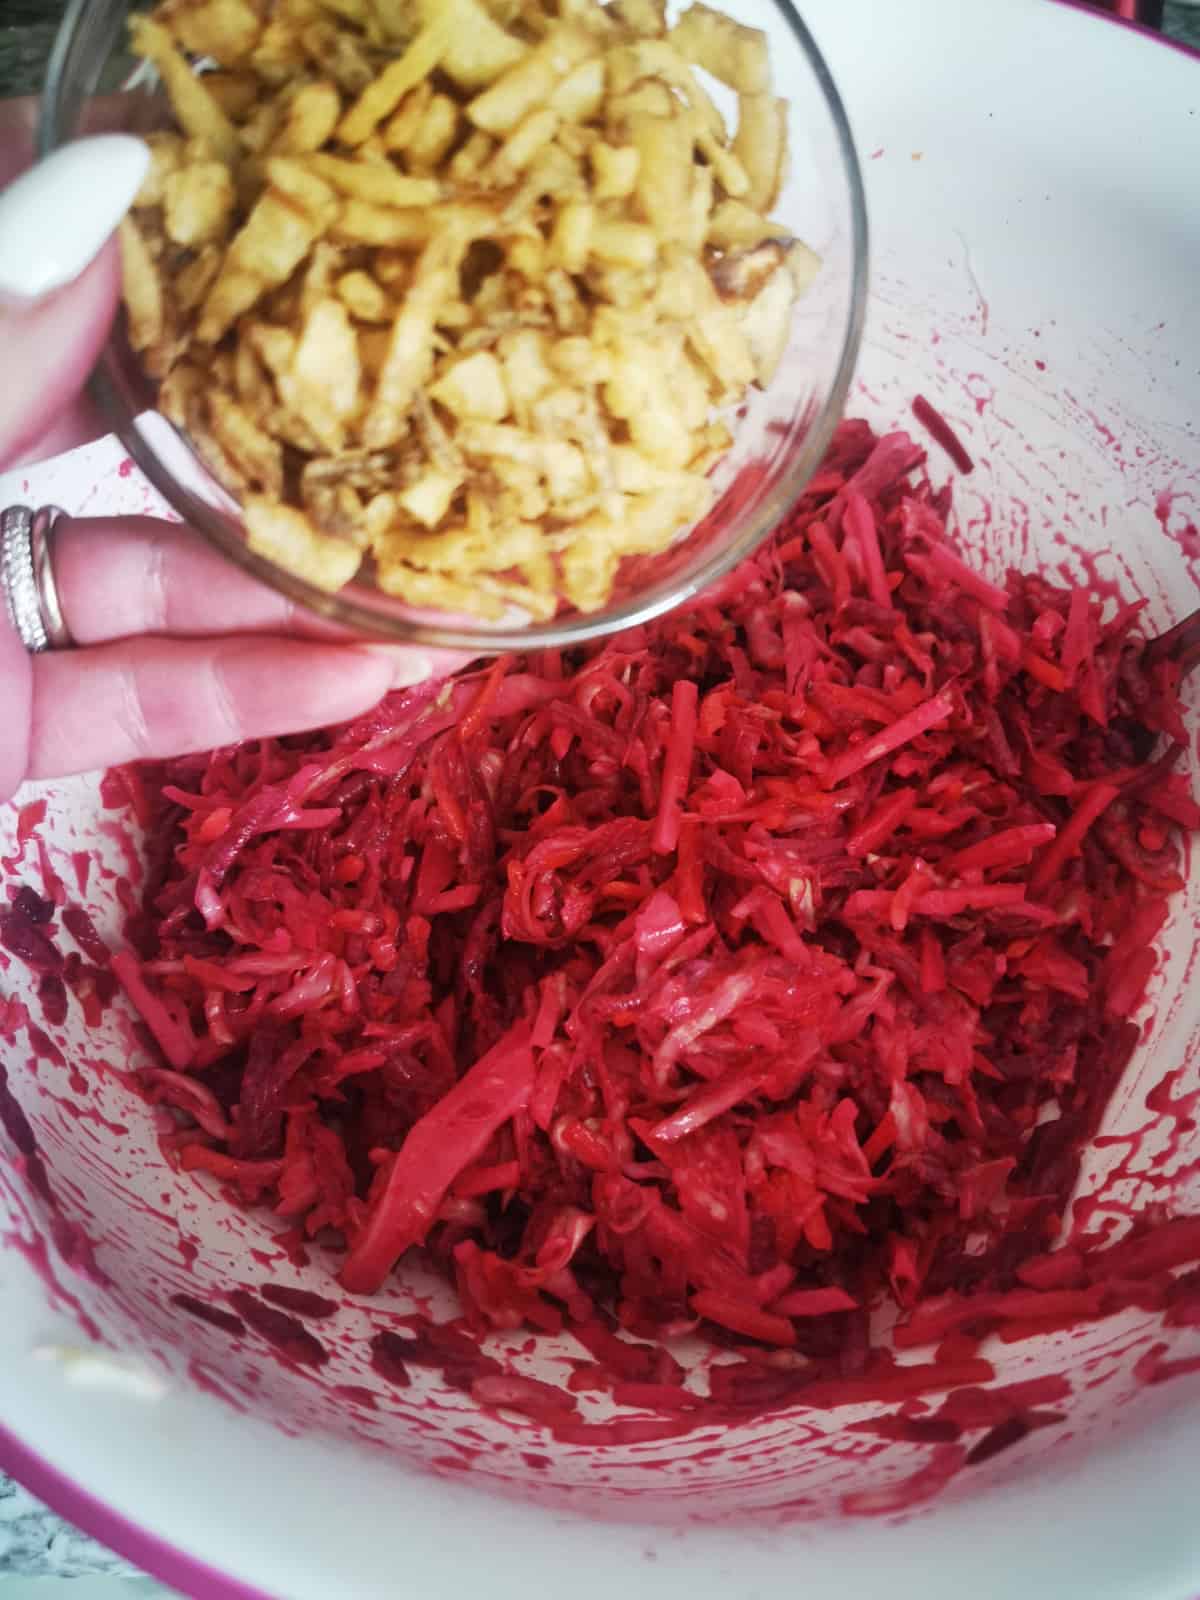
(27, 578)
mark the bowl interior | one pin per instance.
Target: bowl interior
(780, 432)
(1047, 312)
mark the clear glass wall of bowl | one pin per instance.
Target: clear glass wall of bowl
(780, 436)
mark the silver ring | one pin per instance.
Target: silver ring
(27, 578)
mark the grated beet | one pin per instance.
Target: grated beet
(739, 972)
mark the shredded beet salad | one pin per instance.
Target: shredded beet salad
(737, 974)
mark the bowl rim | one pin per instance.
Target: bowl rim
(84, 1510)
(575, 628)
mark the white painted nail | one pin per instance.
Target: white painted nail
(408, 668)
(55, 218)
(408, 674)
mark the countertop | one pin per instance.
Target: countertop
(34, 1543)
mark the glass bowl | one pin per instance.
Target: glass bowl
(780, 432)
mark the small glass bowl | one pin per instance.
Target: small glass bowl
(780, 433)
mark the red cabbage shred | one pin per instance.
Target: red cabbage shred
(738, 973)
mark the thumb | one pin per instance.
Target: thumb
(59, 278)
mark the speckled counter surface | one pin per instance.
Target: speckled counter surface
(1183, 22)
(34, 1542)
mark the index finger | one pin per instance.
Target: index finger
(106, 113)
(72, 418)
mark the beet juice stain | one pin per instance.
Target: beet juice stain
(288, 1337)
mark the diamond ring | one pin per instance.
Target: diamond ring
(27, 578)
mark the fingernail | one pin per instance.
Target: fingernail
(55, 218)
(408, 668)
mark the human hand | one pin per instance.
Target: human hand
(174, 648)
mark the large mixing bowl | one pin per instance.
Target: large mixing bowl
(1033, 180)
(781, 431)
